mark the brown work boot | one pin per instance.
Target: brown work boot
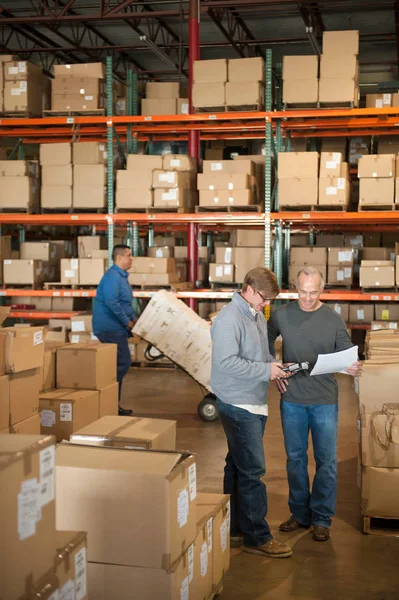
(236, 541)
(320, 533)
(292, 525)
(272, 549)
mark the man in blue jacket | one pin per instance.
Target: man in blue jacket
(113, 316)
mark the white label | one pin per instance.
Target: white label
(80, 574)
(211, 187)
(158, 253)
(75, 339)
(216, 167)
(22, 66)
(337, 157)
(47, 418)
(387, 99)
(348, 272)
(23, 86)
(360, 315)
(8, 262)
(74, 264)
(182, 508)
(228, 514)
(67, 592)
(38, 338)
(209, 530)
(344, 256)
(69, 274)
(340, 275)
(341, 183)
(378, 103)
(374, 175)
(66, 412)
(331, 191)
(175, 162)
(219, 270)
(29, 510)
(231, 185)
(231, 199)
(82, 91)
(204, 559)
(184, 590)
(47, 468)
(216, 200)
(13, 70)
(227, 255)
(392, 326)
(190, 563)
(93, 337)
(223, 535)
(77, 326)
(88, 97)
(15, 92)
(331, 164)
(228, 269)
(101, 147)
(192, 481)
(337, 309)
(184, 109)
(171, 195)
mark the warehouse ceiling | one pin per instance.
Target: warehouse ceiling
(152, 37)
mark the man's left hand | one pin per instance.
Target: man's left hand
(355, 369)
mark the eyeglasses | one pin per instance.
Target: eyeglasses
(263, 298)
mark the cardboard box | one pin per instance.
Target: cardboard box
(376, 253)
(171, 179)
(47, 588)
(353, 240)
(331, 165)
(298, 192)
(333, 144)
(100, 254)
(84, 86)
(379, 491)
(340, 275)
(225, 255)
(209, 95)
(178, 197)
(226, 198)
(341, 309)
(48, 369)
(223, 181)
(4, 402)
(333, 67)
(361, 313)
(55, 154)
(22, 347)
(334, 191)
(82, 338)
(221, 273)
(300, 91)
(57, 175)
(178, 162)
(89, 153)
(27, 469)
(340, 257)
(308, 256)
(128, 432)
(78, 70)
(56, 196)
(300, 67)
(18, 168)
(241, 270)
(376, 385)
(23, 96)
(246, 70)
(144, 264)
(134, 180)
(89, 175)
(293, 271)
(339, 90)
(24, 395)
(88, 243)
(377, 191)
(69, 271)
(162, 90)
(252, 93)
(19, 192)
(376, 448)
(180, 253)
(303, 165)
(91, 270)
(131, 199)
(159, 521)
(387, 312)
(341, 43)
(211, 71)
(143, 162)
(64, 411)
(82, 323)
(377, 276)
(378, 101)
(68, 102)
(89, 196)
(162, 252)
(228, 167)
(248, 237)
(153, 278)
(150, 107)
(182, 106)
(30, 426)
(377, 165)
(86, 367)
(108, 400)
(251, 257)
(71, 563)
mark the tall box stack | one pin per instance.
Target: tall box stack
(134, 186)
(340, 266)
(210, 79)
(298, 174)
(153, 271)
(245, 252)
(26, 89)
(89, 175)
(245, 85)
(334, 183)
(161, 98)
(339, 68)
(19, 185)
(174, 185)
(57, 175)
(301, 258)
(377, 180)
(227, 183)
(300, 79)
(78, 87)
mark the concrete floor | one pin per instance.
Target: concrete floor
(350, 566)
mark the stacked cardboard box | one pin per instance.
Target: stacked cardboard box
(19, 185)
(175, 184)
(306, 257)
(210, 78)
(57, 175)
(227, 183)
(245, 251)
(162, 98)
(339, 68)
(89, 175)
(181, 255)
(86, 389)
(153, 271)
(381, 100)
(377, 274)
(377, 180)
(134, 186)
(26, 89)
(300, 79)
(245, 85)
(5, 252)
(298, 174)
(340, 266)
(78, 87)
(334, 182)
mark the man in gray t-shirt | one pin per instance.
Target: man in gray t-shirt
(309, 328)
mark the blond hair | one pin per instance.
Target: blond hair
(261, 280)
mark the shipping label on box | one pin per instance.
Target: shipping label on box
(71, 564)
(64, 411)
(361, 313)
(340, 257)
(340, 275)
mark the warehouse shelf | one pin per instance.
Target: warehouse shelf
(41, 315)
(59, 293)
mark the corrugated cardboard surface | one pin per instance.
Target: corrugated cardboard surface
(303, 165)
(162, 90)
(340, 275)
(331, 164)
(64, 102)
(138, 162)
(30, 426)
(85, 86)
(246, 70)
(88, 243)
(376, 386)
(89, 196)
(335, 67)
(361, 313)
(221, 273)
(211, 71)
(334, 191)
(71, 562)
(23, 348)
(223, 181)
(341, 43)
(380, 492)
(18, 168)
(300, 67)
(127, 198)
(298, 192)
(341, 308)
(19, 192)
(24, 395)
(248, 237)
(237, 94)
(377, 191)
(178, 162)
(56, 196)
(91, 270)
(308, 256)
(4, 402)
(340, 257)
(244, 166)
(378, 277)
(64, 411)
(55, 154)
(44, 251)
(300, 91)
(378, 101)
(89, 153)
(379, 437)
(108, 400)
(377, 165)
(153, 278)
(86, 367)
(144, 264)
(151, 107)
(95, 70)
(208, 95)
(172, 179)
(177, 197)
(387, 312)
(69, 271)
(89, 175)
(339, 90)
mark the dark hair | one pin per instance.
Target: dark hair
(262, 280)
(119, 250)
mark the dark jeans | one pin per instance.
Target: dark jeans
(123, 353)
(245, 465)
(318, 506)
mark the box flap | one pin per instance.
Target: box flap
(4, 310)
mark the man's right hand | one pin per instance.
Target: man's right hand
(276, 372)
(130, 325)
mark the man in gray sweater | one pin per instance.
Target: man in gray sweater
(242, 367)
(309, 328)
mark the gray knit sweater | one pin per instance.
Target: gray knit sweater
(240, 354)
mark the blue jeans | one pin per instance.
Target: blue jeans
(124, 359)
(314, 507)
(245, 465)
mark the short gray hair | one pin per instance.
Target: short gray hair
(309, 271)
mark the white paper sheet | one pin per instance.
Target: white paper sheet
(336, 362)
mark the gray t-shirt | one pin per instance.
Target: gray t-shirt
(305, 336)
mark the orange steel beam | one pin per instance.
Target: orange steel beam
(348, 133)
(40, 315)
(341, 124)
(58, 293)
(334, 112)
